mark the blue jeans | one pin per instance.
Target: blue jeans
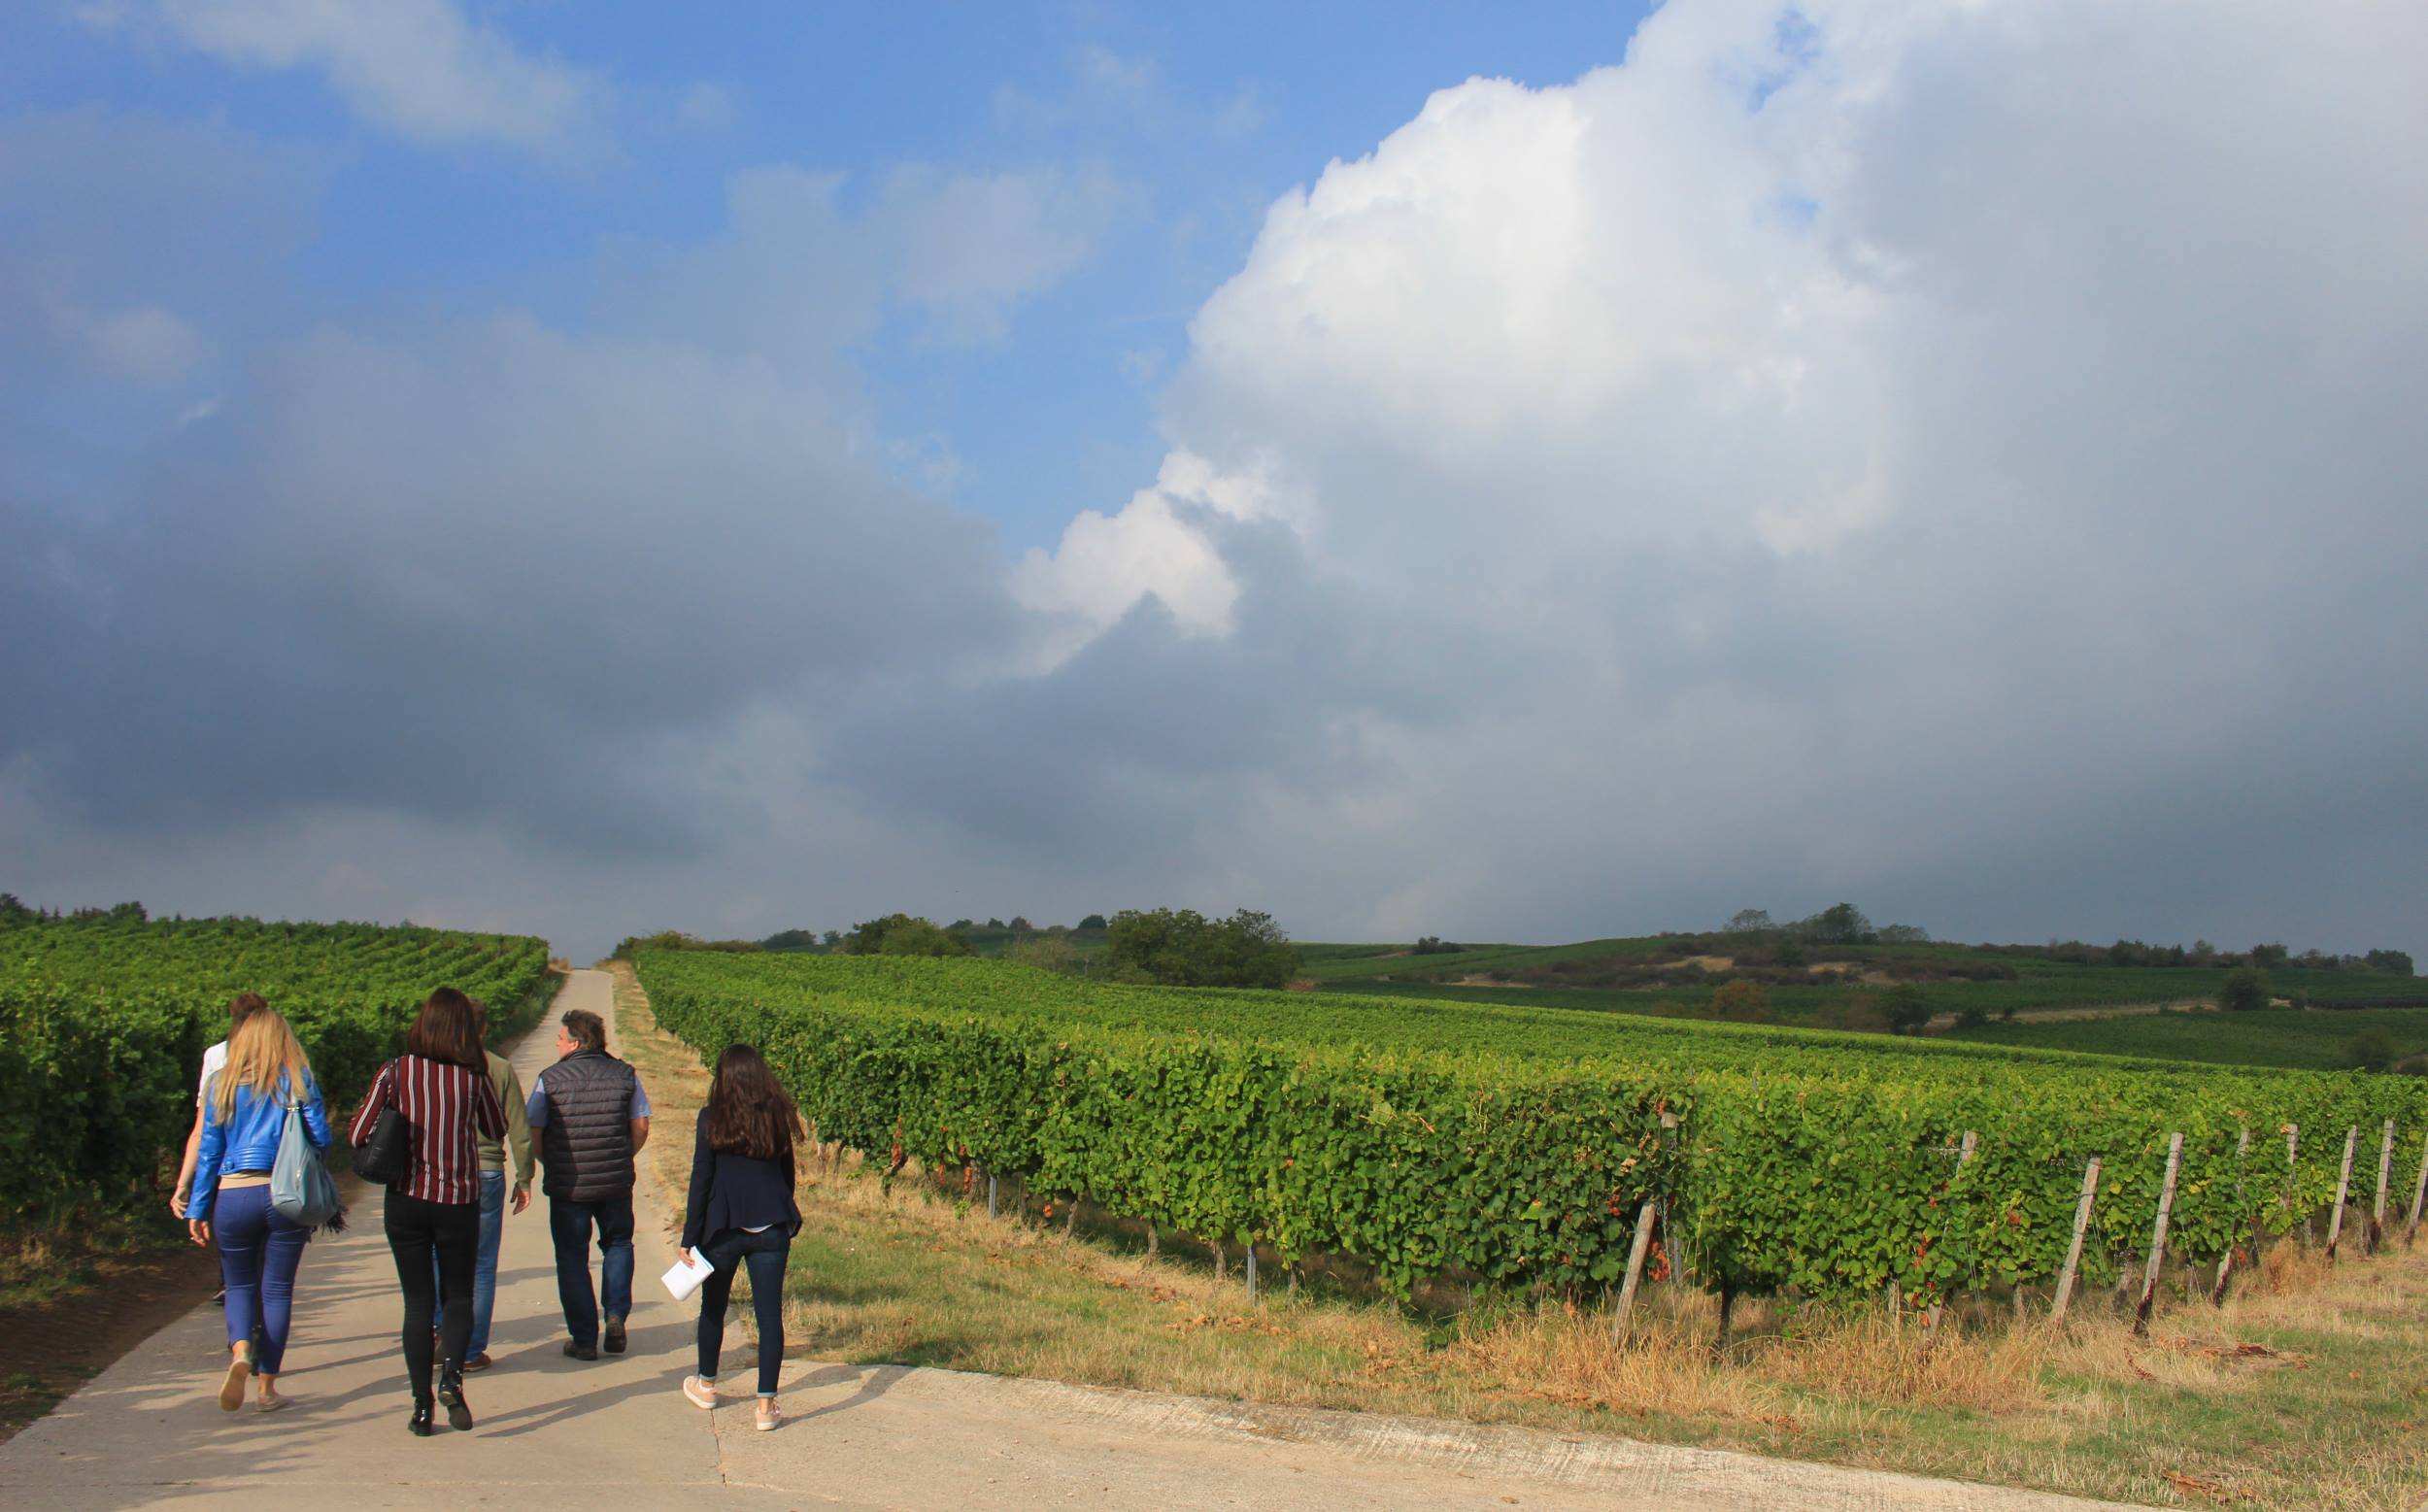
(484, 1263)
(765, 1254)
(259, 1253)
(569, 1225)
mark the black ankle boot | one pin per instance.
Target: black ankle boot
(451, 1396)
(420, 1423)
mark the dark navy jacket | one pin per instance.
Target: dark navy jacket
(735, 1190)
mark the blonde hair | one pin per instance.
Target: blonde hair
(260, 1051)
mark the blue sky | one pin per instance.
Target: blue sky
(1522, 473)
(1196, 116)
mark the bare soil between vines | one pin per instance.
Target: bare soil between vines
(93, 1308)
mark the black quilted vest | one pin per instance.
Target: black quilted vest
(587, 1140)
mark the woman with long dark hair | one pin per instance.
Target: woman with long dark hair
(440, 1086)
(741, 1212)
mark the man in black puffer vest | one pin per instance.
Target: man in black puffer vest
(592, 1118)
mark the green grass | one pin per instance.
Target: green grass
(2311, 1040)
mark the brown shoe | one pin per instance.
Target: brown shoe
(239, 1372)
(479, 1362)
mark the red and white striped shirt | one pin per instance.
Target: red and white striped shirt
(444, 1103)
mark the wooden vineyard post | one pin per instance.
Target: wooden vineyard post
(1155, 1240)
(2344, 1190)
(993, 1209)
(1964, 1154)
(1251, 1270)
(2378, 1207)
(2074, 1250)
(2419, 1190)
(1646, 1217)
(2293, 1175)
(2225, 1262)
(2158, 1235)
(1635, 1269)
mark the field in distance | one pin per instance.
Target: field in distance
(1779, 977)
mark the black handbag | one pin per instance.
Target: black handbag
(384, 1158)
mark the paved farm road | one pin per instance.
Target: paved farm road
(553, 1432)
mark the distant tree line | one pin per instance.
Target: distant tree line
(1843, 923)
(15, 910)
(1165, 946)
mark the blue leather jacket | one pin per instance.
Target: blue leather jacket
(248, 1140)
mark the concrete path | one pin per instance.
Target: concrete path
(557, 1432)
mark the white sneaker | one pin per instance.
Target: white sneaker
(702, 1395)
(770, 1416)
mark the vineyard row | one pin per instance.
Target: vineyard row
(1511, 1155)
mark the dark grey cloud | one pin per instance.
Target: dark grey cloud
(1980, 477)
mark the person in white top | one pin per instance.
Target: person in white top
(243, 1006)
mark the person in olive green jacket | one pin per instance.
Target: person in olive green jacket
(508, 1084)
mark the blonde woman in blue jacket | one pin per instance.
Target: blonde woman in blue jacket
(244, 1116)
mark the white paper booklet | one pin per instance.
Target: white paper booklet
(685, 1277)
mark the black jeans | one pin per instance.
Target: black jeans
(765, 1253)
(420, 1233)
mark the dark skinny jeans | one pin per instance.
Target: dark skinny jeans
(765, 1253)
(420, 1233)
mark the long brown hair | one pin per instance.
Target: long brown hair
(243, 1006)
(261, 1050)
(446, 1029)
(749, 1111)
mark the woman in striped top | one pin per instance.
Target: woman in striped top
(441, 1088)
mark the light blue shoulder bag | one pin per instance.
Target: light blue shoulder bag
(301, 1189)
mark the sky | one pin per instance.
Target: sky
(1504, 473)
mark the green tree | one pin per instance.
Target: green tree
(1906, 1007)
(2392, 963)
(2370, 1050)
(901, 934)
(2245, 987)
(1840, 924)
(1093, 921)
(2266, 955)
(1183, 948)
(1750, 920)
(1742, 1002)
